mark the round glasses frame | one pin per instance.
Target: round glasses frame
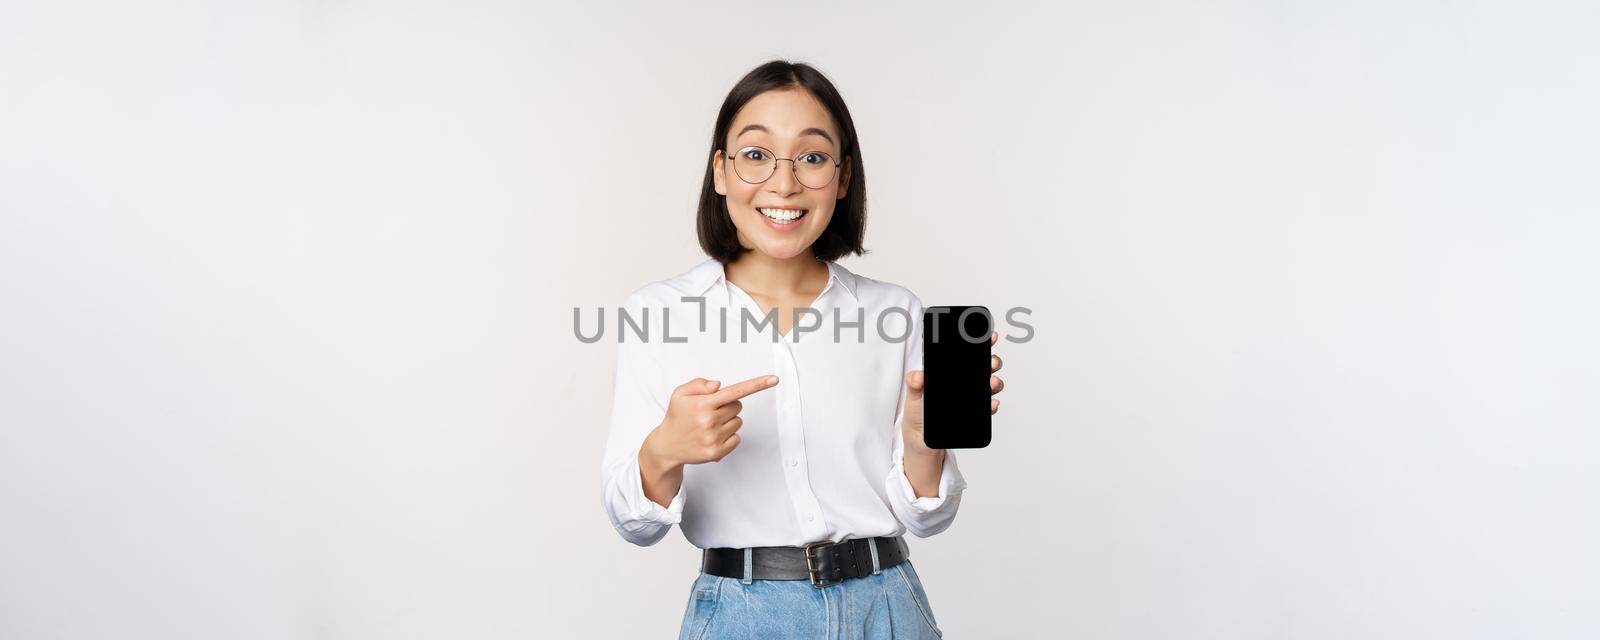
(793, 167)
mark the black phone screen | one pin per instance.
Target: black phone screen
(955, 364)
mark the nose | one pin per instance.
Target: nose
(783, 181)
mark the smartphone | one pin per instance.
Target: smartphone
(955, 369)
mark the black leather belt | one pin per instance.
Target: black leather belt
(823, 563)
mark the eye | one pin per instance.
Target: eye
(755, 154)
(814, 157)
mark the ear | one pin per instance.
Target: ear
(716, 173)
(844, 178)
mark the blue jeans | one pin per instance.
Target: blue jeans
(881, 606)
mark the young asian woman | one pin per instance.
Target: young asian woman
(793, 459)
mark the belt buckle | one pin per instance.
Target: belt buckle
(811, 567)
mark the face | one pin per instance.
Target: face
(789, 123)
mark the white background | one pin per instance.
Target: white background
(286, 347)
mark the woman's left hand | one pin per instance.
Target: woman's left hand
(911, 422)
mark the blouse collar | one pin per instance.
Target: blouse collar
(712, 271)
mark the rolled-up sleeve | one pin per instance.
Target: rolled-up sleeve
(639, 402)
(926, 516)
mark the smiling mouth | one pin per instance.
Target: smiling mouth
(783, 216)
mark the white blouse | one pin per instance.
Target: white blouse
(820, 455)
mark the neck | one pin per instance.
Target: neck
(757, 272)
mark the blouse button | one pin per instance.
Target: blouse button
(810, 517)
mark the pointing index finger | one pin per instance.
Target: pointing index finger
(736, 391)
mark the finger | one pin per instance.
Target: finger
(994, 338)
(695, 388)
(726, 412)
(994, 405)
(692, 387)
(915, 381)
(994, 364)
(996, 385)
(729, 427)
(736, 391)
(726, 448)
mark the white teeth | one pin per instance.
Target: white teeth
(782, 215)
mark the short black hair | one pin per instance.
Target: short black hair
(718, 237)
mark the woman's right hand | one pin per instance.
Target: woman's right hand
(702, 422)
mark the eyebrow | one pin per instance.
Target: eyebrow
(807, 132)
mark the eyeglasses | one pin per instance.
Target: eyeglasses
(755, 165)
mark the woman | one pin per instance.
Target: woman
(798, 477)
